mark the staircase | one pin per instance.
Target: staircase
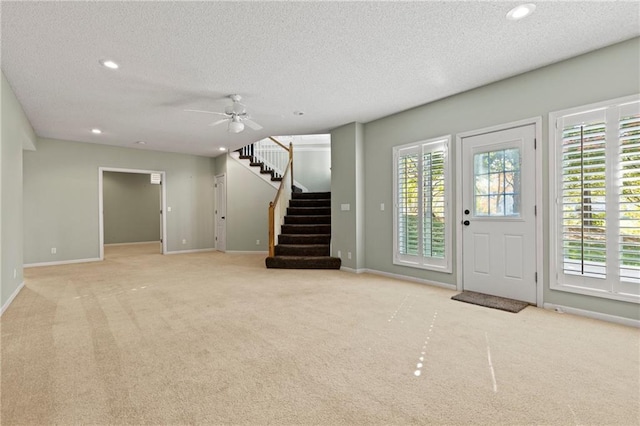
(248, 153)
(306, 234)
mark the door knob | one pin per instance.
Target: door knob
(466, 223)
(467, 211)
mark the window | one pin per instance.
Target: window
(497, 183)
(596, 216)
(421, 197)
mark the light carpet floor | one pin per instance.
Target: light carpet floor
(213, 338)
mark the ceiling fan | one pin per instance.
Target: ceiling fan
(235, 114)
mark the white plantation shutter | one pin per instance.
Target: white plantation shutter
(583, 198)
(407, 201)
(421, 225)
(628, 157)
(433, 201)
(597, 212)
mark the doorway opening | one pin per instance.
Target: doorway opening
(131, 208)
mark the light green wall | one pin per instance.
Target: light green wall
(220, 164)
(131, 208)
(348, 187)
(312, 168)
(248, 198)
(16, 132)
(600, 75)
(61, 179)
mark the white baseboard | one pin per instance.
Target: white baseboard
(246, 252)
(412, 279)
(591, 314)
(131, 244)
(61, 262)
(190, 251)
(13, 296)
(353, 271)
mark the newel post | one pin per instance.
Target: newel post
(291, 160)
(272, 245)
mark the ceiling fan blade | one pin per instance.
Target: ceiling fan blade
(215, 123)
(252, 124)
(205, 112)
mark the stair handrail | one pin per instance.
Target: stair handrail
(282, 198)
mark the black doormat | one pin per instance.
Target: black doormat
(494, 302)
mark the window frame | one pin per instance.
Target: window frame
(420, 261)
(610, 287)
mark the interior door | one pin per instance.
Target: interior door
(161, 219)
(499, 226)
(221, 213)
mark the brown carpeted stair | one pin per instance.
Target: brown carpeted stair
(306, 234)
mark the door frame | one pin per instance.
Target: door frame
(215, 215)
(540, 210)
(163, 202)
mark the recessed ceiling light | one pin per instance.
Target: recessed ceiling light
(298, 112)
(222, 148)
(521, 11)
(109, 64)
(96, 131)
(141, 142)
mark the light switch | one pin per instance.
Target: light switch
(345, 207)
(381, 207)
(168, 209)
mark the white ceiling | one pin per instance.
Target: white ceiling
(338, 62)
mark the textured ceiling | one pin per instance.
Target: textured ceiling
(338, 62)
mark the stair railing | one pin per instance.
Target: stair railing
(273, 154)
(278, 207)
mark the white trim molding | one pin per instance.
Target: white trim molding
(353, 271)
(62, 262)
(411, 279)
(245, 252)
(131, 244)
(595, 315)
(190, 251)
(10, 299)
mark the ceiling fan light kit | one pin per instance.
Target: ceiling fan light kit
(235, 126)
(235, 114)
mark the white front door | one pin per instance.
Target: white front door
(221, 213)
(498, 203)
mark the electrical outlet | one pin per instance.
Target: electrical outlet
(184, 241)
(15, 273)
(349, 255)
(54, 250)
(339, 254)
(257, 242)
